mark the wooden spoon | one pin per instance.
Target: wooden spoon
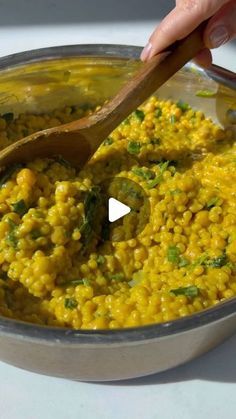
(78, 140)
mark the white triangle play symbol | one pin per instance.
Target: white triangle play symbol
(116, 210)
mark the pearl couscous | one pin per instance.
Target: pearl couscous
(55, 271)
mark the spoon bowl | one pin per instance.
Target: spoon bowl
(77, 141)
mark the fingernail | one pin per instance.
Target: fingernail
(146, 52)
(218, 36)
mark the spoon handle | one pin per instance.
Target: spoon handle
(147, 80)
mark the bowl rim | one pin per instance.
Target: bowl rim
(19, 329)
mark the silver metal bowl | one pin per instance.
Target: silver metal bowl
(84, 73)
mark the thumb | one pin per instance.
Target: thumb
(222, 27)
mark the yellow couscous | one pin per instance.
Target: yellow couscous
(55, 271)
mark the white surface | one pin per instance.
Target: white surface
(116, 210)
(20, 38)
(202, 389)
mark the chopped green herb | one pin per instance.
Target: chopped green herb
(117, 277)
(144, 173)
(152, 183)
(200, 261)
(100, 260)
(182, 105)
(105, 232)
(191, 291)
(11, 236)
(139, 114)
(158, 113)
(162, 166)
(70, 303)
(20, 207)
(35, 234)
(75, 282)
(173, 254)
(9, 116)
(212, 202)
(126, 121)
(72, 282)
(176, 191)
(155, 141)
(218, 262)
(231, 265)
(91, 203)
(183, 262)
(8, 173)
(205, 93)
(108, 141)
(86, 282)
(172, 119)
(38, 214)
(134, 147)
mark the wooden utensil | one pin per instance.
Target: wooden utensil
(78, 140)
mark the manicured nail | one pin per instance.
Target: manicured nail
(146, 52)
(218, 36)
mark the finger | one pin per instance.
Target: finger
(204, 58)
(182, 20)
(222, 27)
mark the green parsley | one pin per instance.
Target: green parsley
(218, 262)
(108, 141)
(183, 262)
(205, 93)
(158, 113)
(70, 303)
(158, 179)
(91, 203)
(144, 173)
(105, 231)
(11, 236)
(75, 282)
(100, 260)
(191, 291)
(163, 165)
(173, 254)
(139, 114)
(35, 233)
(155, 182)
(134, 147)
(117, 277)
(20, 207)
(176, 191)
(212, 202)
(182, 105)
(173, 119)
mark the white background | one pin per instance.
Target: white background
(202, 389)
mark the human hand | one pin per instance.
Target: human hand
(185, 17)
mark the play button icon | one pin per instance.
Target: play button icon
(116, 210)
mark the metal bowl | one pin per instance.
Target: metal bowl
(44, 79)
